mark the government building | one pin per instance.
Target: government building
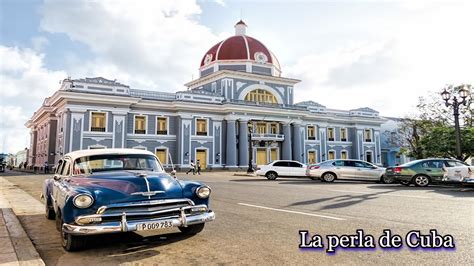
(240, 104)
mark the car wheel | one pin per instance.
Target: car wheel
(71, 242)
(421, 181)
(48, 211)
(386, 180)
(271, 175)
(191, 229)
(329, 177)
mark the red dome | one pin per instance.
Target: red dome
(239, 47)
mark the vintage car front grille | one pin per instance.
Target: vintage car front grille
(144, 209)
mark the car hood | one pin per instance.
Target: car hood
(124, 186)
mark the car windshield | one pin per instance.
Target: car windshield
(114, 162)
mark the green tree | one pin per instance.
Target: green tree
(430, 133)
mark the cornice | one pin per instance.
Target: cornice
(238, 74)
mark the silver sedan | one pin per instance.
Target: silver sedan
(329, 171)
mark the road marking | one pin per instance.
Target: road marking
(369, 193)
(295, 212)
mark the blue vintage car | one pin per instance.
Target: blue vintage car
(120, 190)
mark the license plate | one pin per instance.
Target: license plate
(149, 226)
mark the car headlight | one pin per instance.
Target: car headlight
(83, 201)
(203, 192)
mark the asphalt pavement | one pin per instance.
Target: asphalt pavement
(259, 222)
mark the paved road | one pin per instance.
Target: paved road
(258, 222)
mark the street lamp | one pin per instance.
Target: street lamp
(463, 92)
(250, 169)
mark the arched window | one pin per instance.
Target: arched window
(260, 96)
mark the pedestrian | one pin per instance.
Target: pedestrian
(46, 167)
(193, 168)
(198, 164)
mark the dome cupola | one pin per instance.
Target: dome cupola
(240, 53)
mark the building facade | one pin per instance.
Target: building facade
(240, 107)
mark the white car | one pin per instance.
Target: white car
(329, 171)
(281, 168)
(457, 171)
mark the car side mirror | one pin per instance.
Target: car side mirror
(57, 177)
(173, 173)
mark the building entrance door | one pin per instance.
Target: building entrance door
(261, 156)
(201, 155)
(311, 157)
(273, 155)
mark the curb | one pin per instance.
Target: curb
(25, 251)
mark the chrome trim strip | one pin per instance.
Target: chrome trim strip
(149, 193)
(102, 209)
(106, 215)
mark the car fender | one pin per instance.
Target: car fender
(189, 191)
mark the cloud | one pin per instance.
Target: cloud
(406, 59)
(25, 82)
(147, 44)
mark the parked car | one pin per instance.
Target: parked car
(279, 168)
(456, 171)
(120, 190)
(328, 171)
(420, 172)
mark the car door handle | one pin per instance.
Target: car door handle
(358, 169)
(338, 167)
(428, 170)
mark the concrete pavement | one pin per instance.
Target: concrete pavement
(15, 246)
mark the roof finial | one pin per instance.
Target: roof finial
(240, 28)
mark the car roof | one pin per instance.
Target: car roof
(286, 161)
(82, 153)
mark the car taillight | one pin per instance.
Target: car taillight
(397, 170)
(314, 167)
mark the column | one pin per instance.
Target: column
(378, 152)
(297, 143)
(322, 144)
(231, 141)
(76, 127)
(286, 148)
(118, 127)
(217, 143)
(243, 143)
(184, 140)
(359, 144)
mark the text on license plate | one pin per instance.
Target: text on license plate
(154, 225)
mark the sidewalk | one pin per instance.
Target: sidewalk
(15, 246)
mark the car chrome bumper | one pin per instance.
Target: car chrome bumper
(129, 226)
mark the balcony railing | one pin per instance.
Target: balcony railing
(272, 137)
(98, 129)
(162, 132)
(140, 131)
